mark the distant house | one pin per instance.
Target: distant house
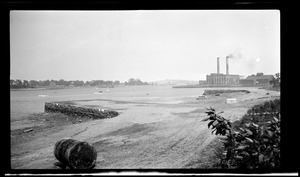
(258, 79)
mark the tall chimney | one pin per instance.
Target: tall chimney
(227, 66)
(218, 65)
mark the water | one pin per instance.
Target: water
(26, 102)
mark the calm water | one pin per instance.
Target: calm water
(25, 102)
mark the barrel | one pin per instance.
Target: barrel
(75, 154)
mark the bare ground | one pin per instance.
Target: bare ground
(157, 133)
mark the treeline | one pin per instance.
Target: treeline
(133, 81)
(72, 83)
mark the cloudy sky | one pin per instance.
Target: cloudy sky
(150, 45)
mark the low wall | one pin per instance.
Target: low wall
(79, 111)
(213, 92)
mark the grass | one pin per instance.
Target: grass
(209, 157)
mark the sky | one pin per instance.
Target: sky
(146, 44)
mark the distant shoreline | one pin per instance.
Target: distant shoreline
(42, 88)
(70, 87)
(38, 88)
(24, 89)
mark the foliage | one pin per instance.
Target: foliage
(219, 124)
(133, 81)
(19, 84)
(275, 82)
(267, 106)
(46, 83)
(77, 83)
(260, 114)
(253, 146)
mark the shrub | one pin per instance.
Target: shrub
(252, 146)
(260, 114)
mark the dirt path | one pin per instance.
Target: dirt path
(159, 134)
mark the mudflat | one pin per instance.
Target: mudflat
(149, 133)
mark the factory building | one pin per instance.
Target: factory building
(258, 79)
(222, 79)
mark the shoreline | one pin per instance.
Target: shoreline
(42, 88)
(156, 135)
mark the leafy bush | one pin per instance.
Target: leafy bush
(259, 114)
(251, 146)
(267, 106)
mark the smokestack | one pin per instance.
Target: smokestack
(218, 65)
(227, 66)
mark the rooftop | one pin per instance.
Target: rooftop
(252, 77)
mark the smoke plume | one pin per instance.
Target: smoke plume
(235, 56)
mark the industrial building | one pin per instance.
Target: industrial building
(222, 79)
(258, 79)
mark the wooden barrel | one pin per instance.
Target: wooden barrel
(75, 154)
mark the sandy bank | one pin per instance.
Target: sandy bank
(148, 133)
